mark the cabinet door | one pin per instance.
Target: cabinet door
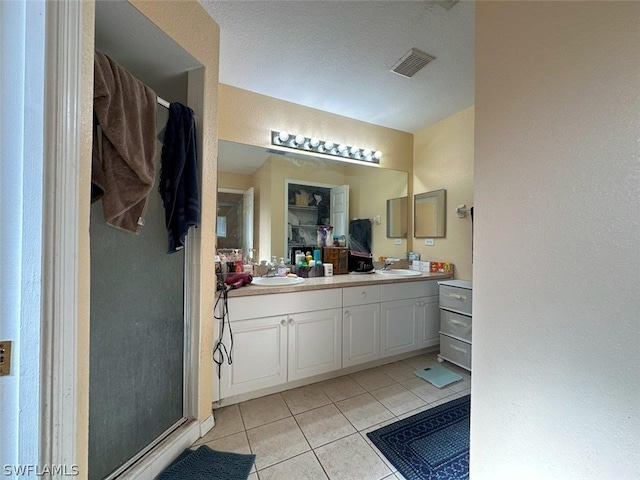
(399, 327)
(315, 343)
(259, 355)
(429, 312)
(360, 334)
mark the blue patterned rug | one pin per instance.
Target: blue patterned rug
(429, 445)
(207, 464)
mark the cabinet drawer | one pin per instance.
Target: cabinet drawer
(258, 306)
(405, 290)
(360, 295)
(455, 324)
(455, 351)
(455, 298)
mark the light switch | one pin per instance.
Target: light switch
(429, 241)
(398, 241)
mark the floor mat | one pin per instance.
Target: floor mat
(438, 376)
(430, 445)
(207, 464)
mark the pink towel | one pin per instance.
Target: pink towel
(123, 176)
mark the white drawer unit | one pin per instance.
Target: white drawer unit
(455, 322)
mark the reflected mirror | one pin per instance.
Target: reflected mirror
(397, 216)
(430, 214)
(286, 184)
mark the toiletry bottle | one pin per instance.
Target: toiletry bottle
(282, 268)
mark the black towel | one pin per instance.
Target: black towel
(179, 175)
(360, 235)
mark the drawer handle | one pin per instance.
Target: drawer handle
(459, 297)
(458, 349)
(458, 322)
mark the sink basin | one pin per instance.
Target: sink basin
(276, 281)
(399, 272)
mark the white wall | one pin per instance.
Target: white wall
(21, 138)
(555, 388)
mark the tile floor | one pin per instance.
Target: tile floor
(319, 431)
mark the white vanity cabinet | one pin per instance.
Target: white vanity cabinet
(455, 322)
(408, 317)
(280, 338)
(360, 325)
(314, 343)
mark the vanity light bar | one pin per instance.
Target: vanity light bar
(314, 144)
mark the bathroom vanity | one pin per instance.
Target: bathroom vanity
(285, 337)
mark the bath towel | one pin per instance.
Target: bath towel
(179, 175)
(123, 170)
(360, 235)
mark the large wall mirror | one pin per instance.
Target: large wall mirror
(430, 219)
(269, 174)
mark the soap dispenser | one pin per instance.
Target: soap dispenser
(282, 268)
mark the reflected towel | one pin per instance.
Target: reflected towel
(360, 235)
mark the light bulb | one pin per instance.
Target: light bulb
(354, 151)
(283, 137)
(314, 142)
(366, 153)
(299, 140)
(342, 148)
(328, 146)
(377, 155)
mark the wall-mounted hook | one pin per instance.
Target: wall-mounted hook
(462, 210)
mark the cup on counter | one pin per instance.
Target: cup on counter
(328, 269)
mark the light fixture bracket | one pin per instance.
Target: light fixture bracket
(315, 145)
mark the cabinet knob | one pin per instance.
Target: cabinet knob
(283, 322)
(347, 313)
(291, 321)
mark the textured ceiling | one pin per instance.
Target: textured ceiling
(336, 55)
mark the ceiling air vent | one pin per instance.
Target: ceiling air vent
(411, 63)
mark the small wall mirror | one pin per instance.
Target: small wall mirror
(429, 210)
(397, 217)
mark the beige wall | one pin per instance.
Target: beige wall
(247, 117)
(192, 28)
(443, 158)
(237, 181)
(555, 300)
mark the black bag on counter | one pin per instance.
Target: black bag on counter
(360, 262)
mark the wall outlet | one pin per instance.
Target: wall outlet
(429, 241)
(398, 241)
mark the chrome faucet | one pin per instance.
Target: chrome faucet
(387, 265)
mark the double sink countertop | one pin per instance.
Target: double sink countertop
(336, 281)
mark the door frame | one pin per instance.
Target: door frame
(61, 169)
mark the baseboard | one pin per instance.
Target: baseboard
(207, 425)
(153, 463)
